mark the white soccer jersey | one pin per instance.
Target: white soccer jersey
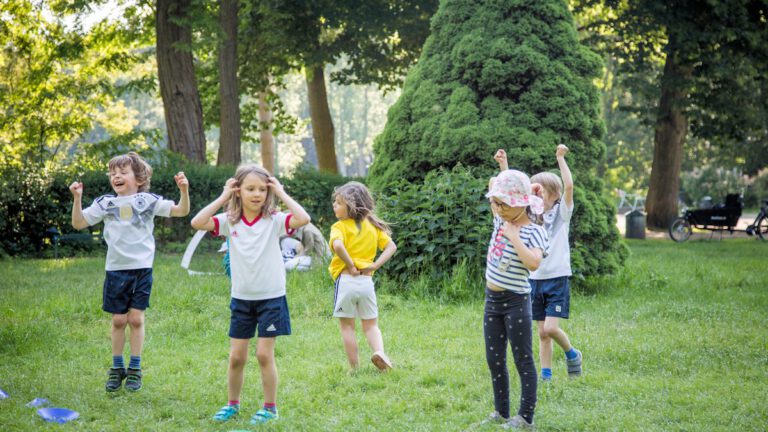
(258, 272)
(558, 263)
(128, 227)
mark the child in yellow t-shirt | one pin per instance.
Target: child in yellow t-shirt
(355, 239)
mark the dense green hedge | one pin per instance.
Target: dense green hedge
(437, 224)
(32, 202)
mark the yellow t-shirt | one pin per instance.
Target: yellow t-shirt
(361, 244)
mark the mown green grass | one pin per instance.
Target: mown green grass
(676, 342)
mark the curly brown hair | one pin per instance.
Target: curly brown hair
(141, 169)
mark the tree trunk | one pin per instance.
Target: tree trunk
(671, 129)
(265, 134)
(229, 95)
(322, 124)
(178, 85)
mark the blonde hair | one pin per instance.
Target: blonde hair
(360, 204)
(235, 205)
(549, 181)
(141, 169)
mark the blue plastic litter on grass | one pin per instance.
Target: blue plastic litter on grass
(3, 395)
(58, 415)
(36, 402)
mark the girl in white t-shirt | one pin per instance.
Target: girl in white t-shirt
(253, 229)
(551, 295)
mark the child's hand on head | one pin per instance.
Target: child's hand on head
(537, 189)
(77, 189)
(561, 150)
(181, 181)
(275, 184)
(230, 187)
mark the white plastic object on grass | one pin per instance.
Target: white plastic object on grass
(187, 258)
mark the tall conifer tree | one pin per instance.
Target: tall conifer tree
(506, 74)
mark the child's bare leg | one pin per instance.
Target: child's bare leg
(136, 321)
(119, 322)
(552, 327)
(373, 334)
(238, 355)
(545, 346)
(347, 326)
(265, 352)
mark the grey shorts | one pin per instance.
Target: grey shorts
(355, 297)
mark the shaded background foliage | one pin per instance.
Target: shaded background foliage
(32, 201)
(503, 74)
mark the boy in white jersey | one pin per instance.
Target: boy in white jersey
(517, 246)
(551, 293)
(128, 225)
(253, 229)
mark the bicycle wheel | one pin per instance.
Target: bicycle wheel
(761, 228)
(681, 230)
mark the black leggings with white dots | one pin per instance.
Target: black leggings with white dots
(508, 318)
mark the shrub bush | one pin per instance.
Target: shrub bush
(437, 224)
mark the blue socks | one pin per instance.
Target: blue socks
(135, 362)
(572, 354)
(117, 362)
(546, 373)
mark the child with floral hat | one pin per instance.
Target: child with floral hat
(517, 247)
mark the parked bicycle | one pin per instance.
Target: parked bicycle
(720, 218)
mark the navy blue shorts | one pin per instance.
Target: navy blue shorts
(550, 298)
(127, 289)
(270, 316)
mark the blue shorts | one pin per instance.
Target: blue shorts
(550, 298)
(126, 289)
(270, 316)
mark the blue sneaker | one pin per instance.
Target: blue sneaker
(574, 364)
(262, 416)
(226, 413)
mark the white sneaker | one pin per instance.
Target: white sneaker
(381, 361)
(518, 422)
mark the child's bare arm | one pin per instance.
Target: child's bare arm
(341, 251)
(203, 220)
(300, 216)
(530, 257)
(501, 158)
(565, 174)
(386, 254)
(78, 220)
(182, 208)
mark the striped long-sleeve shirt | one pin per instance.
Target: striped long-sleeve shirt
(504, 268)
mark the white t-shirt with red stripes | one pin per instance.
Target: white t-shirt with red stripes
(255, 258)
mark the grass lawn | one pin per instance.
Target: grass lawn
(676, 342)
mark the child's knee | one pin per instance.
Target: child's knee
(136, 319)
(119, 321)
(237, 360)
(265, 358)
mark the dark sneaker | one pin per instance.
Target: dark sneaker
(133, 380)
(574, 365)
(115, 379)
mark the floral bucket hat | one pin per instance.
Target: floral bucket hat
(513, 188)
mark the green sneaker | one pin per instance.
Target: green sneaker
(133, 380)
(115, 378)
(262, 416)
(226, 413)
